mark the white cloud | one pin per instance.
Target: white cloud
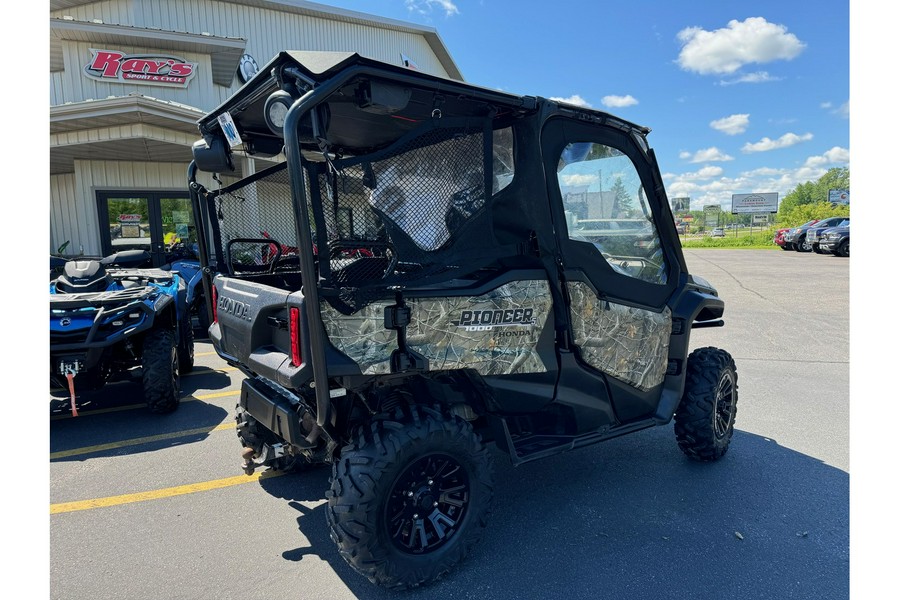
(826, 105)
(758, 77)
(573, 99)
(732, 125)
(424, 7)
(707, 172)
(724, 51)
(706, 155)
(618, 101)
(577, 179)
(835, 156)
(785, 141)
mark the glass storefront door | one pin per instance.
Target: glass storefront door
(162, 223)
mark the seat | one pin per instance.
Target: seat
(83, 276)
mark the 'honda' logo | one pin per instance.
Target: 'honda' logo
(234, 307)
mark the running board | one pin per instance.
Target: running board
(523, 449)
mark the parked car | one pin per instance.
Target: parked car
(836, 240)
(791, 234)
(779, 238)
(814, 233)
(717, 232)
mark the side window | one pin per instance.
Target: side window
(605, 205)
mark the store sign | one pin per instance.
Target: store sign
(129, 218)
(763, 202)
(146, 69)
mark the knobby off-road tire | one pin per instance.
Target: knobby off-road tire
(410, 496)
(704, 421)
(160, 371)
(186, 346)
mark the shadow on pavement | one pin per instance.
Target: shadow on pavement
(196, 417)
(634, 518)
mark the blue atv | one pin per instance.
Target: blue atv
(108, 317)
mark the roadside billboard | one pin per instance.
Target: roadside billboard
(761, 202)
(839, 196)
(711, 215)
(681, 204)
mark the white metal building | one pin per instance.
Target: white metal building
(130, 78)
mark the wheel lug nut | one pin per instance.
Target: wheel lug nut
(415, 515)
(430, 482)
(435, 505)
(409, 494)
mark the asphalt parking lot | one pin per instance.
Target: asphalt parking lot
(143, 506)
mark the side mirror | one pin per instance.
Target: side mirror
(213, 156)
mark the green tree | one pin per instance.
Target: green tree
(813, 192)
(623, 203)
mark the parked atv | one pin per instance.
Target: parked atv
(107, 318)
(444, 266)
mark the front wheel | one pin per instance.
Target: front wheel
(802, 246)
(159, 362)
(410, 496)
(843, 249)
(704, 421)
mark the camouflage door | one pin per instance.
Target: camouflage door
(617, 273)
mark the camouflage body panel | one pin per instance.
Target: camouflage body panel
(495, 333)
(362, 336)
(631, 344)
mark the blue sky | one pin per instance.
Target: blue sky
(741, 96)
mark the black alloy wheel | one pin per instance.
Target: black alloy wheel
(726, 398)
(427, 504)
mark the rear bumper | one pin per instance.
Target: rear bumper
(276, 409)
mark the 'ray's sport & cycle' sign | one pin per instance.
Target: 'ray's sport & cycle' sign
(148, 69)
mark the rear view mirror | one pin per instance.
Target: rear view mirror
(213, 157)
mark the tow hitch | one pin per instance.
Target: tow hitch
(266, 455)
(70, 370)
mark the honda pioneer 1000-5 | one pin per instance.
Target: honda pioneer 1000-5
(427, 266)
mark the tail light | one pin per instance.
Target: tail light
(215, 305)
(296, 357)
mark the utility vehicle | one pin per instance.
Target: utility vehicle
(423, 288)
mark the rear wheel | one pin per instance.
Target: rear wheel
(159, 363)
(704, 421)
(410, 496)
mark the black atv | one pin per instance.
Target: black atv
(443, 266)
(108, 317)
